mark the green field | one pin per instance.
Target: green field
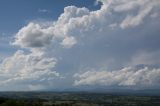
(74, 99)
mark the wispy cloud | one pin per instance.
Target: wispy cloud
(43, 11)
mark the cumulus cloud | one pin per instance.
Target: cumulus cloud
(33, 36)
(21, 68)
(68, 42)
(101, 34)
(131, 21)
(76, 22)
(133, 12)
(129, 76)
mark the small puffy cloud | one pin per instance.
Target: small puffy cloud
(33, 36)
(129, 76)
(73, 12)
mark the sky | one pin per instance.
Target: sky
(79, 44)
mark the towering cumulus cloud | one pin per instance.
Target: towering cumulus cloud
(120, 36)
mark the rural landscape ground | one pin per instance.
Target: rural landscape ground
(75, 99)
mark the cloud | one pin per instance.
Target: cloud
(43, 11)
(77, 22)
(129, 76)
(27, 69)
(131, 21)
(68, 42)
(146, 58)
(125, 5)
(108, 37)
(133, 12)
(33, 36)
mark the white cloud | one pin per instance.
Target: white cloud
(74, 26)
(75, 22)
(125, 5)
(33, 36)
(68, 42)
(21, 68)
(133, 12)
(128, 76)
(43, 11)
(132, 21)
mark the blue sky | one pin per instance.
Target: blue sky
(84, 44)
(14, 14)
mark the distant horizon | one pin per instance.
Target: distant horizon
(128, 92)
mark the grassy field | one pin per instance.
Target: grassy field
(74, 99)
